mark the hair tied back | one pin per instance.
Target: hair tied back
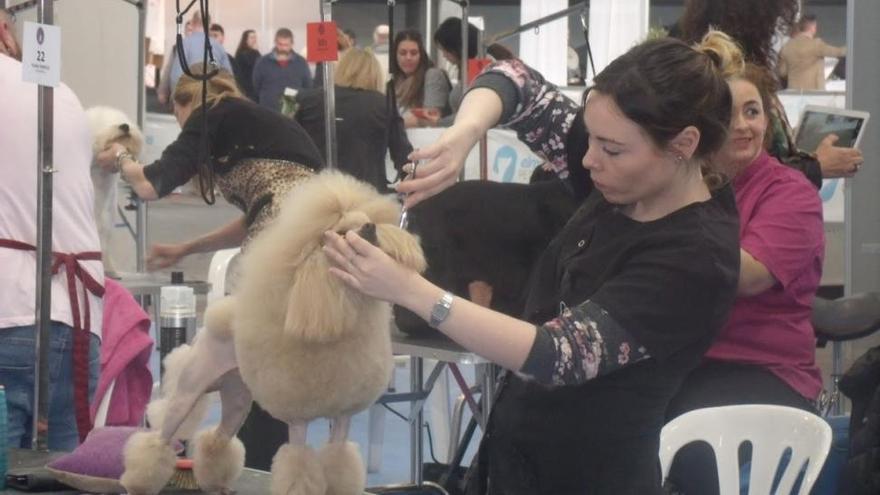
(723, 51)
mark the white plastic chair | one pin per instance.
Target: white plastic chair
(218, 271)
(770, 429)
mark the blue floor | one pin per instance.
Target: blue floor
(395, 467)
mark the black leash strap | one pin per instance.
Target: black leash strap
(205, 171)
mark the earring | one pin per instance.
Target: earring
(679, 158)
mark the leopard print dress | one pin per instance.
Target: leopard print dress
(257, 186)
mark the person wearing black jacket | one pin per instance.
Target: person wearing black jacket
(254, 156)
(246, 56)
(363, 127)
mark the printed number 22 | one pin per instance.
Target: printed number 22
(41, 56)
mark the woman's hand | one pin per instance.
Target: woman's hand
(837, 161)
(439, 167)
(365, 267)
(106, 159)
(165, 255)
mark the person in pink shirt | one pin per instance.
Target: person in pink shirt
(765, 354)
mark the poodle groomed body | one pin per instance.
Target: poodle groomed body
(295, 339)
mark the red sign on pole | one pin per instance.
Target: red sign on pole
(476, 66)
(321, 41)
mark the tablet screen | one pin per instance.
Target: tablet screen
(816, 125)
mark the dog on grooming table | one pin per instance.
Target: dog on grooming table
(295, 339)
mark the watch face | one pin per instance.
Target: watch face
(441, 310)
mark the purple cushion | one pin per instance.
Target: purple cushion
(100, 455)
(97, 464)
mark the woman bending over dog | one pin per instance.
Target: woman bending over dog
(254, 155)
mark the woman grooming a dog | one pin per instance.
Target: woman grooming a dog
(625, 300)
(255, 155)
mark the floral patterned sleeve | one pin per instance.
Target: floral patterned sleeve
(541, 115)
(582, 343)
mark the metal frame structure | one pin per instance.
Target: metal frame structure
(329, 97)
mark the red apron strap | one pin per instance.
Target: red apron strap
(81, 326)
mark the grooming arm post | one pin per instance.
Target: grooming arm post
(45, 145)
(329, 98)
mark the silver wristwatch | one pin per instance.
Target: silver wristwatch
(120, 156)
(441, 310)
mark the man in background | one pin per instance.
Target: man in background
(194, 50)
(217, 34)
(802, 59)
(71, 345)
(280, 69)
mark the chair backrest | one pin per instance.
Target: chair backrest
(770, 429)
(847, 318)
(218, 272)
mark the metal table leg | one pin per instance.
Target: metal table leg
(416, 420)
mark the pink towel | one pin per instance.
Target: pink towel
(125, 353)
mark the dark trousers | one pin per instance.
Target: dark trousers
(262, 436)
(715, 384)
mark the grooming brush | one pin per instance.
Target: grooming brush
(183, 477)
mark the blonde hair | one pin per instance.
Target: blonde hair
(189, 90)
(724, 52)
(359, 69)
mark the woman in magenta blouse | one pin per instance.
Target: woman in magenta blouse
(765, 354)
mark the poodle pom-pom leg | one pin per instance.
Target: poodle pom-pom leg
(218, 461)
(149, 463)
(296, 470)
(343, 468)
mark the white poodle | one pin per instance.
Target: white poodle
(109, 125)
(295, 339)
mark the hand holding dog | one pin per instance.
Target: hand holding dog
(366, 268)
(107, 159)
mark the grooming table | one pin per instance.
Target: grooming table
(251, 480)
(447, 354)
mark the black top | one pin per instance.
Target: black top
(362, 131)
(244, 71)
(667, 286)
(237, 129)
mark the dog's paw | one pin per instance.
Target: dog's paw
(296, 470)
(149, 464)
(343, 468)
(218, 461)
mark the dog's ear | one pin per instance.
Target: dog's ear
(402, 246)
(319, 307)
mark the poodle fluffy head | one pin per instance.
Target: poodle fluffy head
(109, 125)
(319, 306)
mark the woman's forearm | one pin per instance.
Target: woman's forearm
(497, 337)
(228, 236)
(480, 111)
(132, 173)
(754, 277)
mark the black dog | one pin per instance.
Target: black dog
(490, 232)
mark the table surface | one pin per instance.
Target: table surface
(250, 481)
(439, 348)
(150, 283)
(20, 460)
